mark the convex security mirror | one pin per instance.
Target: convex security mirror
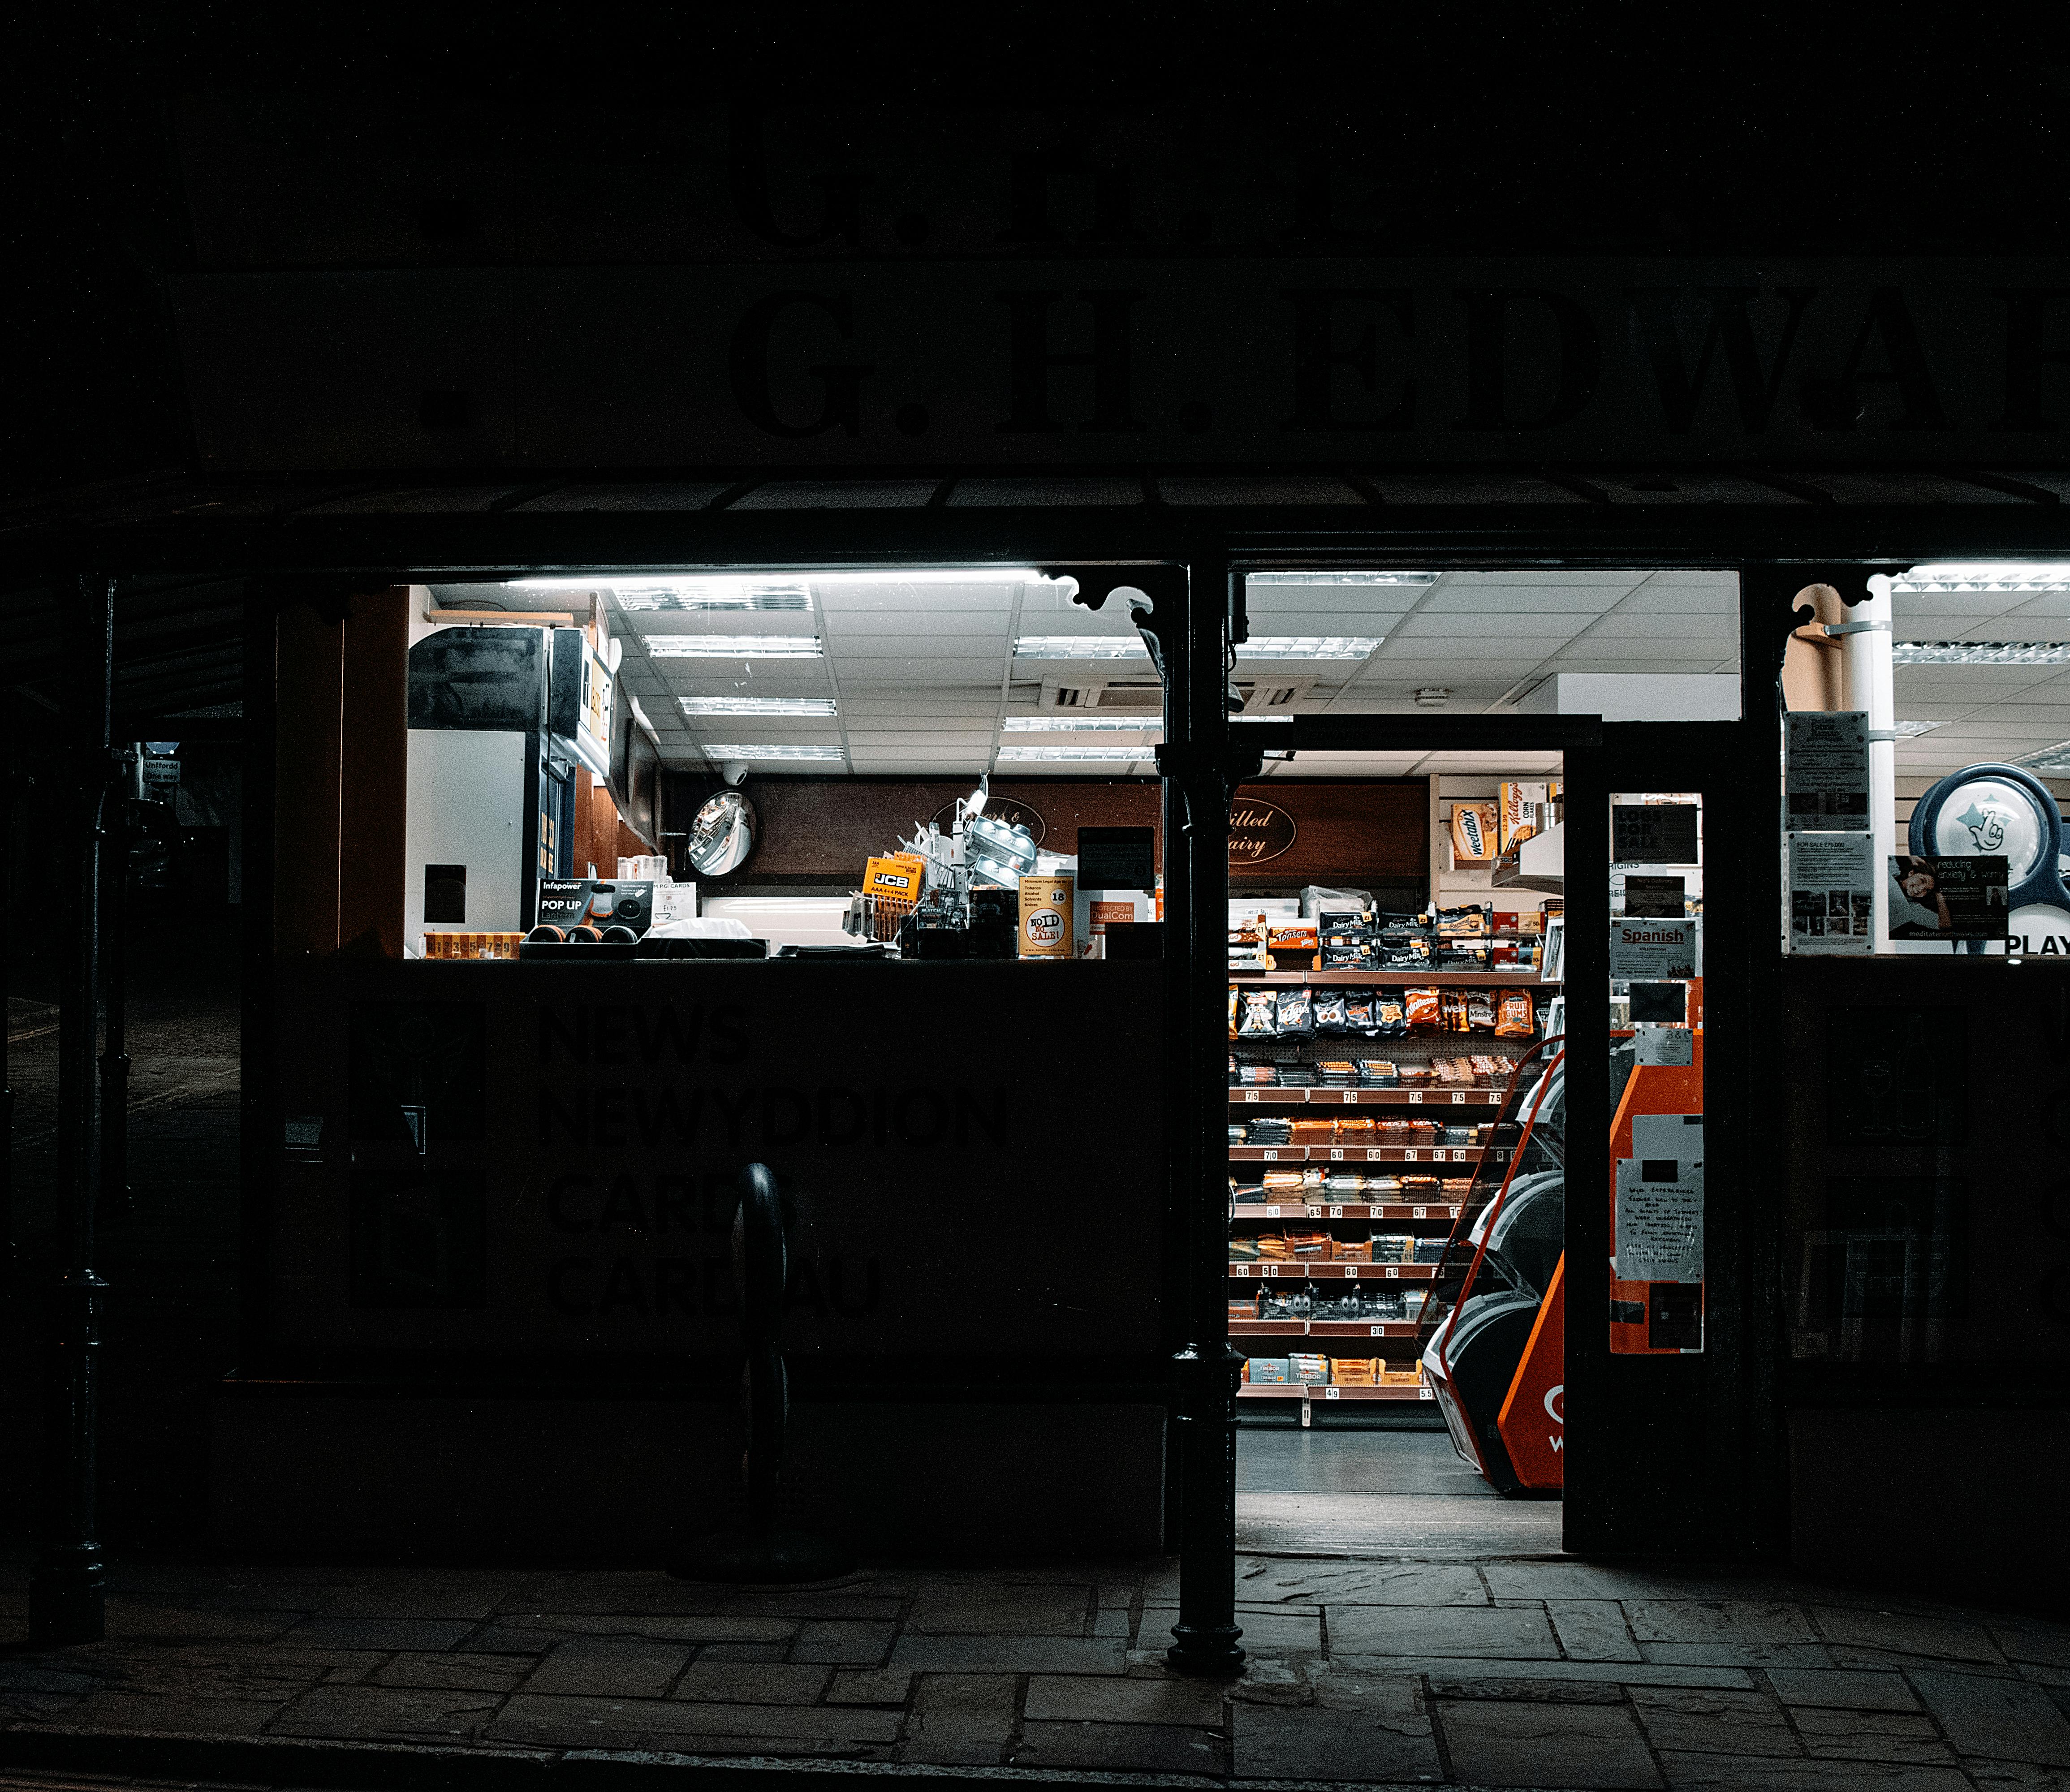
(722, 835)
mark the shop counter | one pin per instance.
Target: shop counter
(500, 1209)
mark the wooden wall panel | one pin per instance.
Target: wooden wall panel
(374, 773)
(820, 830)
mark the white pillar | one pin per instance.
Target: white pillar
(1866, 652)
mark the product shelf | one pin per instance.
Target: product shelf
(1341, 1210)
(1391, 979)
(1271, 1095)
(1307, 1390)
(1362, 1154)
(1322, 1328)
(1288, 1269)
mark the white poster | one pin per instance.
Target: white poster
(1660, 1200)
(1649, 950)
(1831, 892)
(1826, 771)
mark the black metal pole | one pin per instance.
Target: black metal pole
(115, 1188)
(66, 1589)
(1206, 1636)
(6, 935)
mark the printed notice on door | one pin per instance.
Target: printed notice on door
(1826, 772)
(1832, 893)
(1660, 1200)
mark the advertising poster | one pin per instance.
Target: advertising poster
(1655, 833)
(1826, 771)
(1947, 898)
(1652, 949)
(1832, 893)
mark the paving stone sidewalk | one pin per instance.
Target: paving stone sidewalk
(1497, 1673)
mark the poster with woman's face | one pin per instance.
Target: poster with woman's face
(1943, 897)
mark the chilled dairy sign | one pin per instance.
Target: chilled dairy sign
(1258, 831)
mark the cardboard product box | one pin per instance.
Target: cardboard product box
(1357, 1371)
(1311, 1370)
(898, 877)
(1267, 1369)
(1474, 832)
(1352, 1250)
(1519, 813)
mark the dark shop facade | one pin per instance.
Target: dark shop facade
(1544, 771)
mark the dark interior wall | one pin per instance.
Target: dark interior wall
(817, 832)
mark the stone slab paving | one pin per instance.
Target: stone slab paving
(1523, 1673)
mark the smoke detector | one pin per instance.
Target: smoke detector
(1433, 696)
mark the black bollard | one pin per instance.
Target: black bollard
(760, 1268)
(68, 1587)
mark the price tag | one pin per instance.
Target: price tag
(1271, 1212)
(1315, 1213)
(1459, 1157)
(1268, 1272)
(1459, 1097)
(1351, 1272)
(1393, 1272)
(1425, 1394)
(1250, 1094)
(1349, 1097)
(1271, 1155)
(1415, 1098)
(1329, 1393)
(1375, 1331)
(1419, 1212)
(1336, 1156)
(1410, 1156)
(1374, 1155)
(1453, 1212)
(1240, 1269)
(1336, 1212)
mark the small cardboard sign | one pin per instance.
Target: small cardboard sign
(1650, 949)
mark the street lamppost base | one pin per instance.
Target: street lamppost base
(773, 1558)
(67, 1597)
(1208, 1651)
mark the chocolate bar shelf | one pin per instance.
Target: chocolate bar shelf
(1310, 1390)
(1517, 977)
(1322, 1328)
(1340, 1210)
(1269, 1094)
(1293, 1269)
(1362, 1154)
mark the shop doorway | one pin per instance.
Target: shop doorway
(1441, 1055)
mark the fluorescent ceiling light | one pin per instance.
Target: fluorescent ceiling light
(1980, 653)
(1080, 724)
(2050, 762)
(733, 647)
(1309, 647)
(1116, 755)
(1369, 581)
(757, 706)
(715, 750)
(1989, 575)
(1079, 647)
